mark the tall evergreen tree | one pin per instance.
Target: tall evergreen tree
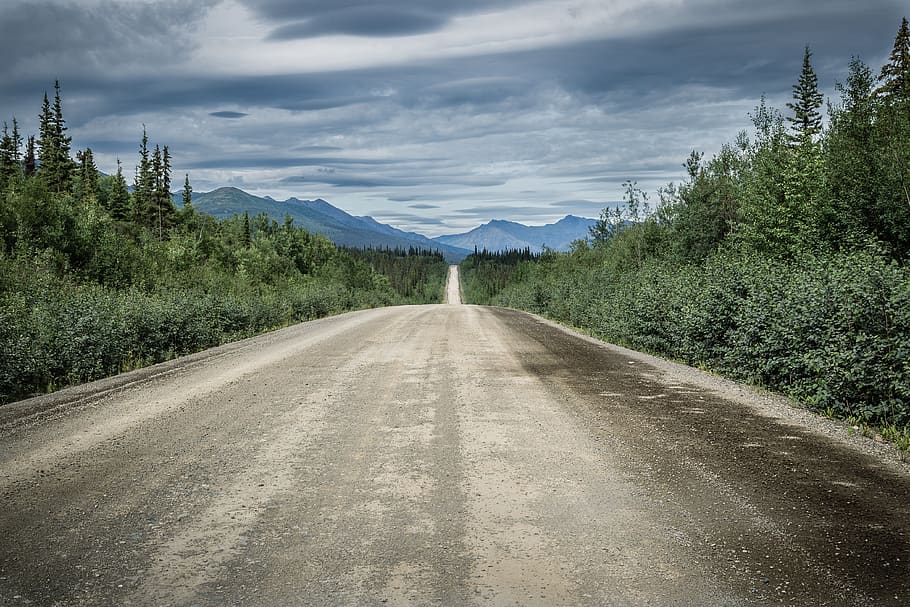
(30, 161)
(16, 145)
(46, 154)
(895, 76)
(187, 192)
(166, 203)
(806, 121)
(63, 161)
(156, 171)
(143, 185)
(162, 205)
(54, 162)
(152, 204)
(166, 172)
(156, 192)
(9, 165)
(144, 174)
(88, 175)
(186, 216)
(156, 165)
(803, 173)
(119, 199)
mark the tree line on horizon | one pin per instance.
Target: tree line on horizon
(415, 274)
(780, 260)
(96, 279)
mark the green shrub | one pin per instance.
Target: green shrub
(831, 330)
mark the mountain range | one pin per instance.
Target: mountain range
(351, 231)
(499, 234)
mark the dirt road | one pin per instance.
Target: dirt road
(437, 455)
(453, 287)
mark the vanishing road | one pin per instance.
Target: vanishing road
(440, 455)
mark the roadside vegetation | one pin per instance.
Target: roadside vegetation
(486, 273)
(98, 278)
(781, 260)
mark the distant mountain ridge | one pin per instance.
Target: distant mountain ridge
(347, 230)
(499, 235)
(320, 217)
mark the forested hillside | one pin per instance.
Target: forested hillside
(781, 260)
(95, 280)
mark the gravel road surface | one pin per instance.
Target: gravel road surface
(453, 287)
(439, 455)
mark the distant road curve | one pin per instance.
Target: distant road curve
(439, 455)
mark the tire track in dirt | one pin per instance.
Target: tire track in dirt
(438, 455)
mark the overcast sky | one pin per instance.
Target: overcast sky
(431, 115)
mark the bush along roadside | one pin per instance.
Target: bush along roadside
(96, 279)
(782, 260)
(832, 332)
(56, 331)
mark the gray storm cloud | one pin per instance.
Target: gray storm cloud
(521, 116)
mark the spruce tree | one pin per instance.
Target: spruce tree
(187, 214)
(119, 199)
(8, 164)
(895, 76)
(144, 175)
(46, 154)
(166, 203)
(54, 162)
(187, 193)
(156, 168)
(17, 144)
(30, 161)
(143, 185)
(166, 171)
(156, 192)
(806, 121)
(10, 159)
(88, 175)
(63, 161)
(162, 205)
(791, 214)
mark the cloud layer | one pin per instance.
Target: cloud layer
(434, 115)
